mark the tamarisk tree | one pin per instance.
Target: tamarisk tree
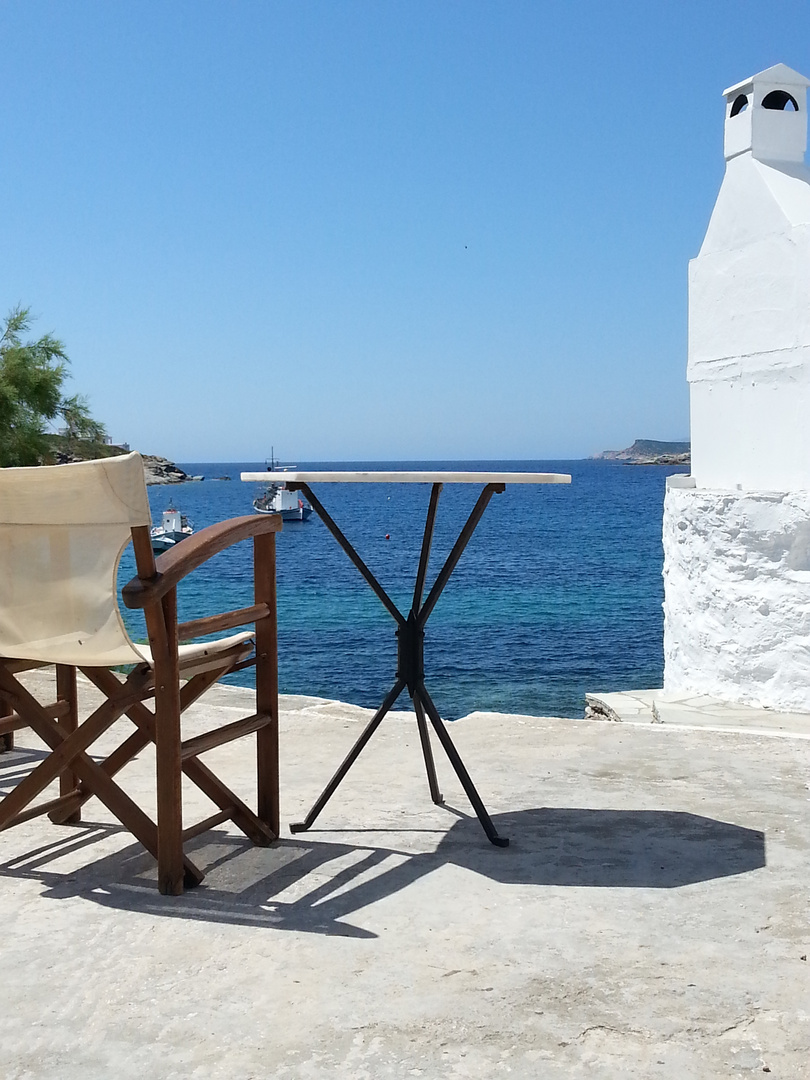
(32, 399)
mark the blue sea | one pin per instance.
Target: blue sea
(559, 591)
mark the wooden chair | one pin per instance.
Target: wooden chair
(63, 529)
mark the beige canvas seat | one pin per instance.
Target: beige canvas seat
(63, 529)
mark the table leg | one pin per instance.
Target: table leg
(427, 541)
(430, 767)
(457, 550)
(458, 765)
(354, 753)
(372, 582)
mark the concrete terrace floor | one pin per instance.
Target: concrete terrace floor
(650, 918)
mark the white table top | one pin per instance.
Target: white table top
(299, 477)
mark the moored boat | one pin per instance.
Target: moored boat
(173, 528)
(276, 499)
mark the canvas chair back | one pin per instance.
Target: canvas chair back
(63, 529)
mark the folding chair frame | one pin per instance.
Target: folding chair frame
(154, 590)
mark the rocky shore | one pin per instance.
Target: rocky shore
(159, 470)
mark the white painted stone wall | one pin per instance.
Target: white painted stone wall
(737, 588)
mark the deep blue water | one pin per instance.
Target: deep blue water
(558, 593)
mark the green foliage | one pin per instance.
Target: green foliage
(32, 375)
(79, 424)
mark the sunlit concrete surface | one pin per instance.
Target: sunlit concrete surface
(649, 918)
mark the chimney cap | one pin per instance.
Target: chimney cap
(779, 73)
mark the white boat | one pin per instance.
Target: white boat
(276, 499)
(173, 528)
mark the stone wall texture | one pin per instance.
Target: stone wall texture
(737, 596)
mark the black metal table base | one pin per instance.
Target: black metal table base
(410, 657)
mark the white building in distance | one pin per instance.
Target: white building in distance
(737, 532)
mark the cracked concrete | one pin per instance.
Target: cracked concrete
(694, 711)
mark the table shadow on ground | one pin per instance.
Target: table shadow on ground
(309, 884)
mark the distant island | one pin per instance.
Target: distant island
(650, 452)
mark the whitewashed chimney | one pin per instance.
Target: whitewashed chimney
(749, 297)
(737, 533)
(765, 114)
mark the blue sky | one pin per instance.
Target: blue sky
(371, 229)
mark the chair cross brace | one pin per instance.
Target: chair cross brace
(69, 752)
(410, 672)
(69, 758)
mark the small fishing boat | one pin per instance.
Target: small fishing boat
(276, 499)
(173, 528)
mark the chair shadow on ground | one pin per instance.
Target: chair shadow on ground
(16, 765)
(312, 884)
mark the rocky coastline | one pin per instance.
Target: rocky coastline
(159, 470)
(156, 470)
(650, 452)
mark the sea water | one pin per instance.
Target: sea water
(559, 591)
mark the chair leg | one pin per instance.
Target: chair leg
(210, 785)
(169, 793)
(66, 691)
(70, 750)
(264, 563)
(161, 621)
(7, 737)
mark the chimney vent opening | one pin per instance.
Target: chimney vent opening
(740, 104)
(779, 100)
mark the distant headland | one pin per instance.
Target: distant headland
(650, 452)
(156, 470)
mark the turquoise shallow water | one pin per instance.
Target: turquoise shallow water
(558, 593)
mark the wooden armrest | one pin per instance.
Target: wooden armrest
(215, 624)
(172, 566)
